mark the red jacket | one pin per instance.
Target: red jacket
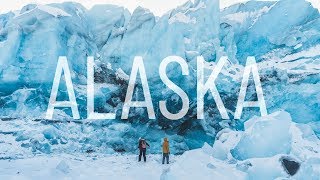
(141, 145)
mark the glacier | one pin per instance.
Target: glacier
(242, 155)
(226, 159)
(285, 43)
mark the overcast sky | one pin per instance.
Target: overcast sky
(158, 7)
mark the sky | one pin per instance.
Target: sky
(158, 7)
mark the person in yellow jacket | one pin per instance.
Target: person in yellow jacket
(165, 150)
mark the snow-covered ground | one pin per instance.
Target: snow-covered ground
(271, 147)
(282, 145)
(83, 167)
(194, 164)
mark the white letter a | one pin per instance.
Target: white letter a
(62, 66)
(250, 66)
(138, 67)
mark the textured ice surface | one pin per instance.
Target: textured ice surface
(286, 45)
(268, 137)
(260, 157)
(285, 137)
(205, 163)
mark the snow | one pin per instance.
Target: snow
(255, 161)
(287, 58)
(312, 52)
(241, 17)
(187, 40)
(288, 61)
(180, 17)
(56, 12)
(222, 161)
(64, 166)
(122, 75)
(199, 164)
(265, 141)
(83, 167)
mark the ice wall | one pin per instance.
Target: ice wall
(285, 43)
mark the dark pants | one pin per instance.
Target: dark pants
(165, 156)
(143, 152)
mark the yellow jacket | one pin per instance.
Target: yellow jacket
(165, 146)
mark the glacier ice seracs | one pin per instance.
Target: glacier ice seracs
(225, 160)
(32, 39)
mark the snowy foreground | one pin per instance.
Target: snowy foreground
(270, 147)
(118, 167)
(81, 167)
(286, 45)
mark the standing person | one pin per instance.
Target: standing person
(143, 149)
(165, 150)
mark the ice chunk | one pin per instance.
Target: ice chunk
(63, 167)
(271, 147)
(267, 137)
(226, 139)
(207, 149)
(266, 168)
(305, 144)
(198, 164)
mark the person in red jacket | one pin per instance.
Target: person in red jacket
(143, 149)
